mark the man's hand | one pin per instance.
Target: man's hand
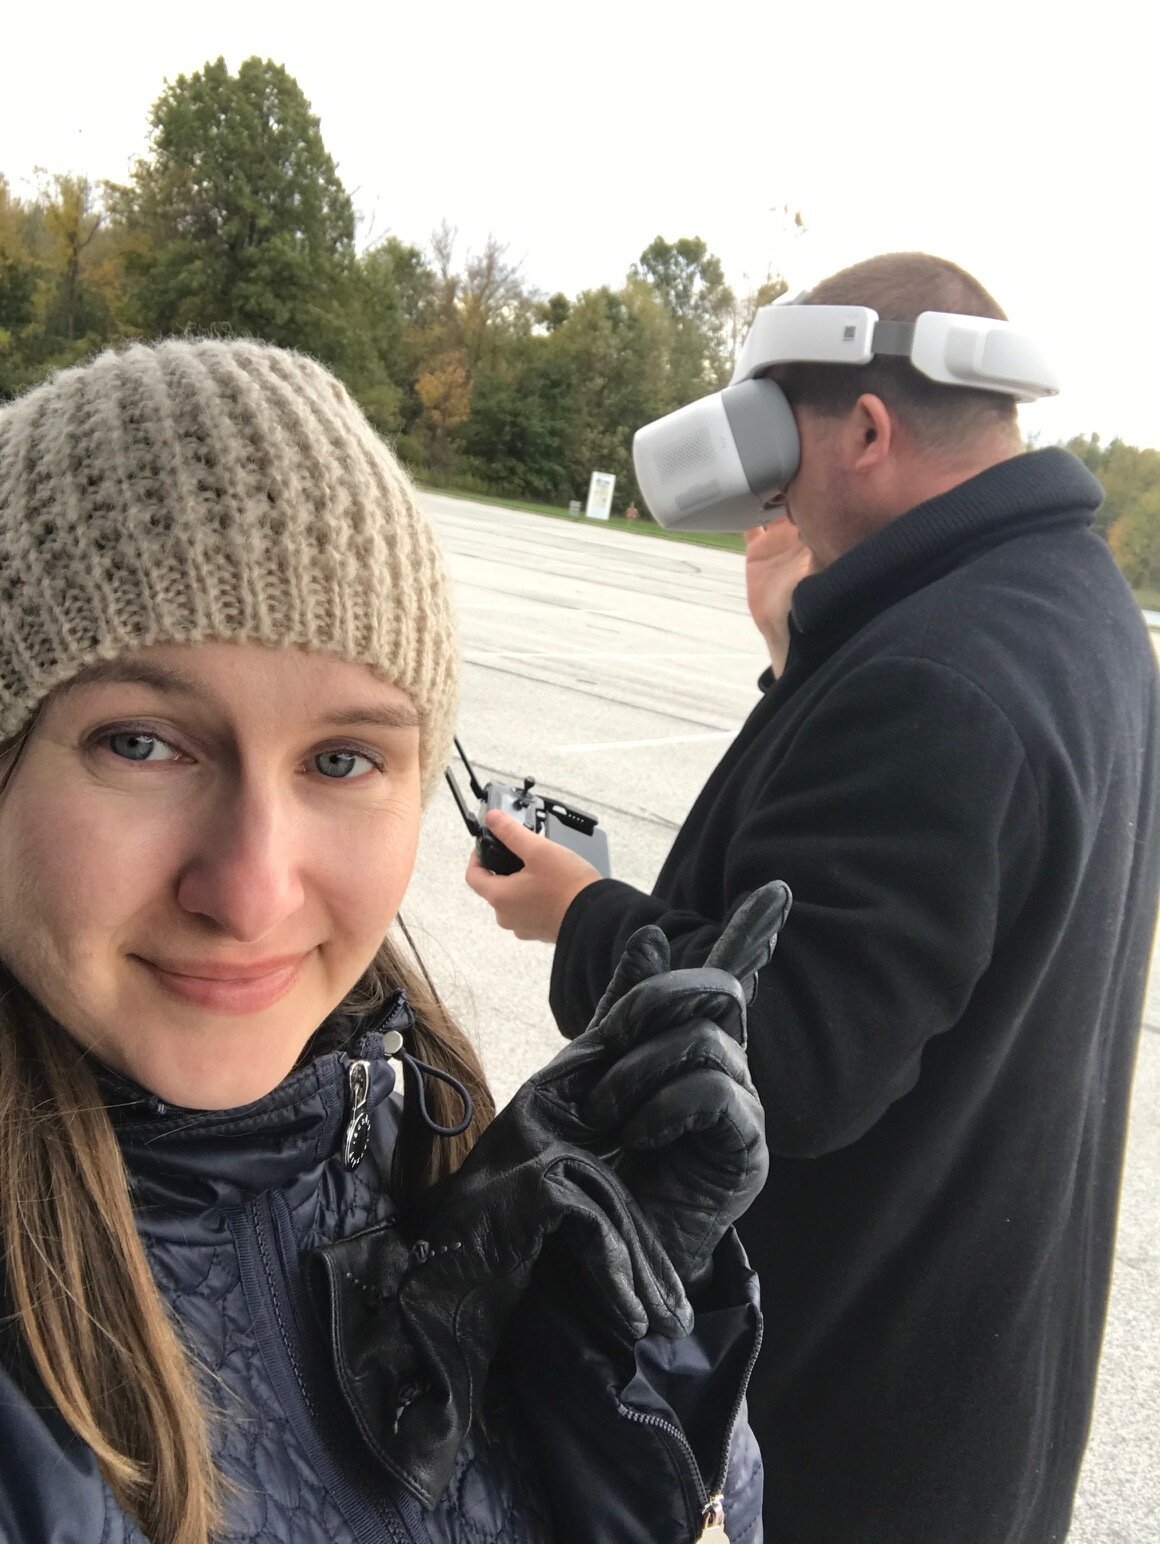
(776, 559)
(532, 903)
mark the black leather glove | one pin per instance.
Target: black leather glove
(414, 1309)
(676, 1098)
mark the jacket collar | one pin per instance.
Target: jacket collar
(1030, 492)
(219, 1157)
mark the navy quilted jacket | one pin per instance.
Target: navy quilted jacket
(225, 1253)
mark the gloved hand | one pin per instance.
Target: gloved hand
(415, 1308)
(637, 1145)
(676, 1097)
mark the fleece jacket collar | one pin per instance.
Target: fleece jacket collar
(1028, 493)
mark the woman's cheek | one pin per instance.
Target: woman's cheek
(377, 870)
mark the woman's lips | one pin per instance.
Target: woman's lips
(228, 988)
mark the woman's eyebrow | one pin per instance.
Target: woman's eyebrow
(387, 716)
(132, 673)
(163, 678)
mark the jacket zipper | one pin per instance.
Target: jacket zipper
(357, 1132)
(711, 1499)
(680, 1442)
(258, 1230)
(713, 1521)
(723, 1466)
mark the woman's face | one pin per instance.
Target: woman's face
(201, 848)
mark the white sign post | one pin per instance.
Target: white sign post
(600, 495)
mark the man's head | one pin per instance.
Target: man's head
(879, 438)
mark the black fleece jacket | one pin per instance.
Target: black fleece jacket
(957, 776)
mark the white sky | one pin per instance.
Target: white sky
(1019, 139)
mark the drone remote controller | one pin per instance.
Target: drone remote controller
(550, 817)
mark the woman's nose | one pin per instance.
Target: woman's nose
(246, 873)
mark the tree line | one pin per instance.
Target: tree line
(1130, 517)
(235, 221)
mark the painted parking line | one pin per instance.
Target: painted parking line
(664, 739)
(630, 656)
(493, 659)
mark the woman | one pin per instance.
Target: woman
(227, 686)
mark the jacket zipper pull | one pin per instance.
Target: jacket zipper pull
(713, 1518)
(358, 1125)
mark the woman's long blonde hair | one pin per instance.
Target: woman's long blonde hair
(75, 1276)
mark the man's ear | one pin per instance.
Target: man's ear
(872, 431)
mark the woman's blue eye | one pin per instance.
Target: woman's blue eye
(133, 745)
(341, 764)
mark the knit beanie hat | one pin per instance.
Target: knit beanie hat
(225, 490)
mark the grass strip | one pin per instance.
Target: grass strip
(1149, 600)
(732, 541)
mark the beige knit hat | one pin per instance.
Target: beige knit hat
(213, 490)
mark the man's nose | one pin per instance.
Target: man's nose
(246, 873)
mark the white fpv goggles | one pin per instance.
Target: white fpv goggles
(715, 464)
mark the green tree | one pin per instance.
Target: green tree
(1135, 540)
(444, 392)
(553, 312)
(1093, 455)
(61, 280)
(690, 283)
(493, 307)
(18, 279)
(473, 319)
(618, 346)
(237, 218)
(83, 288)
(523, 417)
(393, 296)
(1129, 476)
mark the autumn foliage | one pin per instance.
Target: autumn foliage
(234, 220)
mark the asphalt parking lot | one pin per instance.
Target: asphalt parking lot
(615, 668)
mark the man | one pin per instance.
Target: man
(956, 773)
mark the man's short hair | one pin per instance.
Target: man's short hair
(900, 286)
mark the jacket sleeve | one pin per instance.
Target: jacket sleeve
(630, 1442)
(51, 1490)
(904, 817)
